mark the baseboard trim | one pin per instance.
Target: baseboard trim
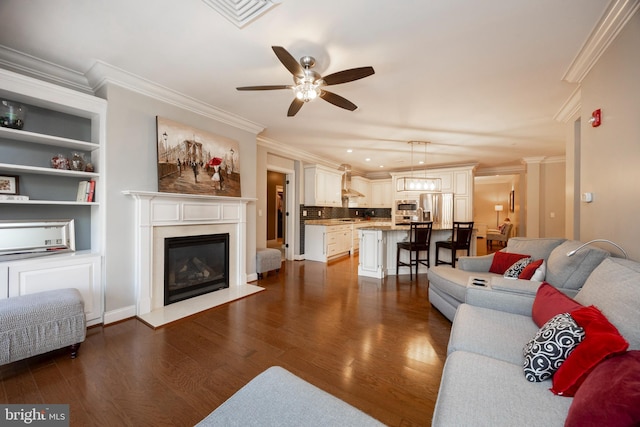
(119, 314)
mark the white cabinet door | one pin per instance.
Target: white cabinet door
(381, 194)
(370, 258)
(363, 186)
(82, 272)
(333, 189)
(322, 186)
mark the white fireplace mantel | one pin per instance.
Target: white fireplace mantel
(161, 215)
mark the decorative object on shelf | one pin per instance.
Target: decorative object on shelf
(8, 184)
(11, 115)
(60, 161)
(192, 161)
(419, 183)
(498, 209)
(77, 161)
(89, 167)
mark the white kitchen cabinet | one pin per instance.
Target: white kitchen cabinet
(325, 242)
(381, 193)
(322, 186)
(361, 185)
(81, 270)
(370, 258)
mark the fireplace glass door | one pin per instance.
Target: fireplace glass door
(195, 265)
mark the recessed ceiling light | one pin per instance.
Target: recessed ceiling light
(367, 159)
(349, 150)
(381, 166)
(421, 162)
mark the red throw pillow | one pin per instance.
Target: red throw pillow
(602, 340)
(550, 302)
(610, 394)
(503, 260)
(530, 269)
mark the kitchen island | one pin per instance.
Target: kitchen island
(328, 239)
(378, 249)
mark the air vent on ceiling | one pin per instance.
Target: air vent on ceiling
(241, 12)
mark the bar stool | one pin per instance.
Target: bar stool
(419, 241)
(460, 240)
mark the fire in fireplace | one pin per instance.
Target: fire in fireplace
(195, 265)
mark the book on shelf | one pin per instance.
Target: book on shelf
(91, 189)
(82, 191)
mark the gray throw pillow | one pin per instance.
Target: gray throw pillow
(551, 346)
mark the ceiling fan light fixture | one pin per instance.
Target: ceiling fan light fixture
(306, 91)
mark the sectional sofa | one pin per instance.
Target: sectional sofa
(484, 383)
(449, 287)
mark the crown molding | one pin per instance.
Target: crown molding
(613, 20)
(289, 152)
(30, 66)
(101, 74)
(501, 170)
(571, 107)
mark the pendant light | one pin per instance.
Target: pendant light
(417, 183)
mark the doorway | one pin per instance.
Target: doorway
(276, 211)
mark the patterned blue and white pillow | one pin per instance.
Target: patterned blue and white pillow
(551, 346)
(514, 271)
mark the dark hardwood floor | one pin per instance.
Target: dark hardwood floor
(377, 344)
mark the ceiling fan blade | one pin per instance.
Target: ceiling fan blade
(295, 106)
(272, 87)
(288, 61)
(348, 75)
(337, 100)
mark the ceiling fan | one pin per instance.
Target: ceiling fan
(309, 85)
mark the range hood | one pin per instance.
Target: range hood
(347, 191)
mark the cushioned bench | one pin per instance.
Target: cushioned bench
(268, 259)
(277, 397)
(38, 323)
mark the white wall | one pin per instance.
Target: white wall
(131, 160)
(610, 154)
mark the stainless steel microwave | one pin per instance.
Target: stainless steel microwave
(406, 207)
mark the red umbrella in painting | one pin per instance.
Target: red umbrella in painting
(215, 161)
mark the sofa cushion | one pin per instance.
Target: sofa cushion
(551, 346)
(610, 394)
(503, 260)
(477, 390)
(537, 248)
(549, 302)
(516, 269)
(614, 287)
(494, 333)
(602, 340)
(531, 269)
(571, 272)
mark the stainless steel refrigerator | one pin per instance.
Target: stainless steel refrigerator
(436, 207)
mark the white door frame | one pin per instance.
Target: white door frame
(288, 220)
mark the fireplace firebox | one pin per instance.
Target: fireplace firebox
(195, 265)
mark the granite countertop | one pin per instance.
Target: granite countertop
(403, 227)
(345, 221)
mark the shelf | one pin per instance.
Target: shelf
(8, 167)
(39, 138)
(47, 202)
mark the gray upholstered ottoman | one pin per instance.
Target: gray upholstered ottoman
(267, 259)
(38, 323)
(276, 397)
